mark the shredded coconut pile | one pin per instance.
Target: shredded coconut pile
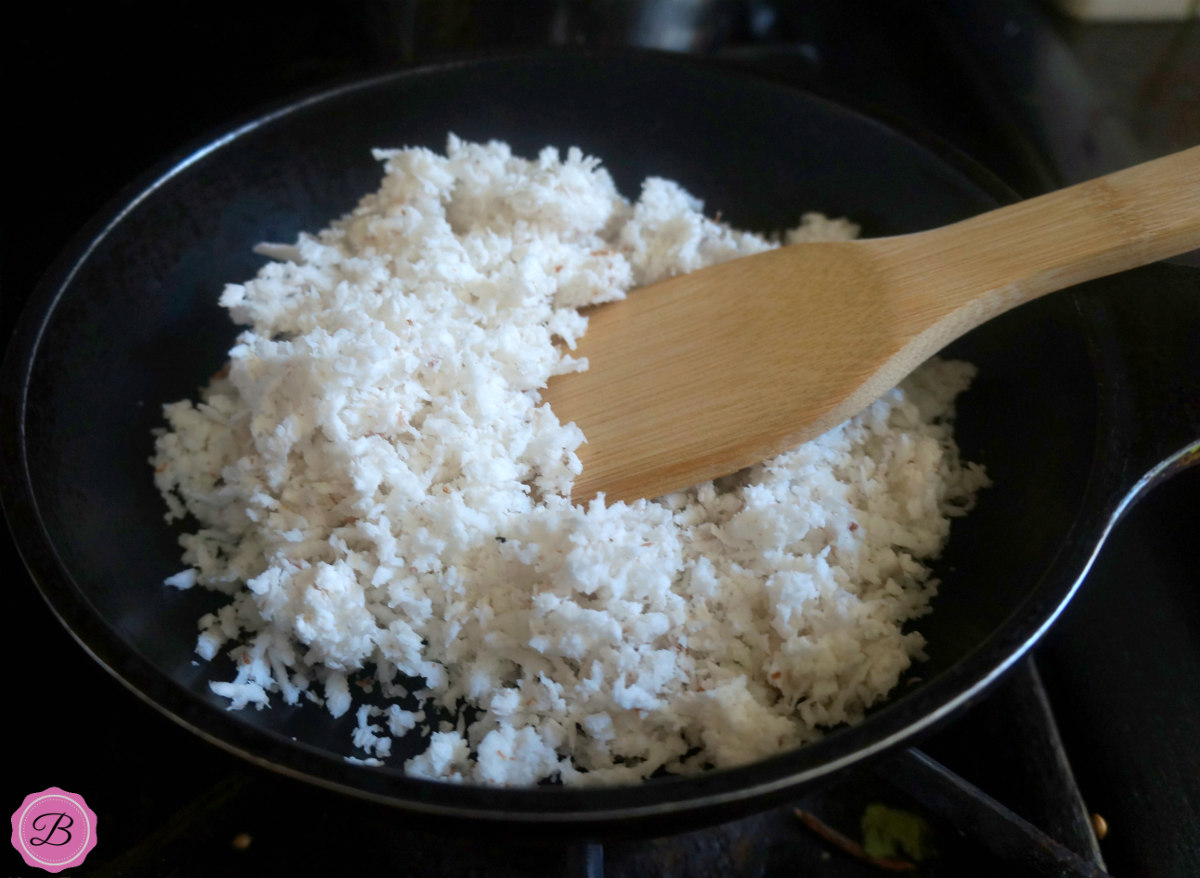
(385, 499)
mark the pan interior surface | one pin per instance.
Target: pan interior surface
(129, 320)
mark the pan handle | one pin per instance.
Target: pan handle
(1145, 343)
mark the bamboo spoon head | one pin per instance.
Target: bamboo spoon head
(706, 373)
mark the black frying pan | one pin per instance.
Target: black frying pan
(127, 319)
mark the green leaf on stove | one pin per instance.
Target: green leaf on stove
(891, 832)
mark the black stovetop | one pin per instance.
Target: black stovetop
(107, 91)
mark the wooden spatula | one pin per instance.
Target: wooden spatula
(701, 375)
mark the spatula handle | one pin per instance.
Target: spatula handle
(1120, 221)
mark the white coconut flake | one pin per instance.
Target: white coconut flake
(182, 580)
(376, 484)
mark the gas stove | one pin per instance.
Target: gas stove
(1101, 720)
